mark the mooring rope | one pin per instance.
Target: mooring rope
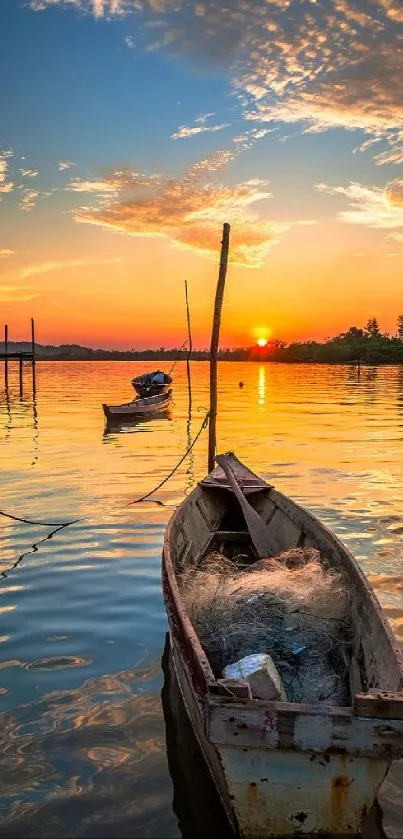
(62, 525)
(178, 356)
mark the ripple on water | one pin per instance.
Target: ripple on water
(86, 751)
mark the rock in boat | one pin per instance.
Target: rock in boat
(283, 769)
(138, 408)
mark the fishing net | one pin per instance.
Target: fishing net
(290, 607)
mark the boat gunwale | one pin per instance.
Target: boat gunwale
(149, 404)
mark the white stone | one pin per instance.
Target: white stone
(261, 673)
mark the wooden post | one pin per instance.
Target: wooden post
(215, 336)
(189, 353)
(6, 355)
(33, 355)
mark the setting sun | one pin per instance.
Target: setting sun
(261, 342)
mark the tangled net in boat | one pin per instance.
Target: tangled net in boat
(289, 606)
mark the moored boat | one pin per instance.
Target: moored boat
(151, 384)
(283, 768)
(138, 408)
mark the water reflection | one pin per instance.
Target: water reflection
(143, 424)
(92, 595)
(20, 411)
(113, 736)
(195, 799)
(261, 386)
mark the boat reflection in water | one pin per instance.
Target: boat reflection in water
(195, 800)
(144, 423)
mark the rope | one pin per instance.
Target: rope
(188, 450)
(177, 357)
(61, 525)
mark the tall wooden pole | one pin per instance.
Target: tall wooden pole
(33, 356)
(189, 353)
(6, 355)
(215, 337)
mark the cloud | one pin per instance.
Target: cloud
(46, 267)
(5, 185)
(373, 206)
(28, 199)
(129, 41)
(200, 127)
(5, 252)
(65, 164)
(91, 186)
(21, 294)
(321, 65)
(189, 212)
(28, 173)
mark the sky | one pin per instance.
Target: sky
(131, 130)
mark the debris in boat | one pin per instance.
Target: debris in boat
(262, 675)
(290, 607)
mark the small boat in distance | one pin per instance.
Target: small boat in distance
(151, 384)
(138, 408)
(283, 768)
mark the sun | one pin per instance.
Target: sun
(261, 342)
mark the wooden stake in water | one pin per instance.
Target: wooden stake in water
(189, 353)
(33, 356)
(215, 336)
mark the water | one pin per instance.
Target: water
(82, 620)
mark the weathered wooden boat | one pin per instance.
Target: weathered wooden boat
(283, 769)
(151, 384)
(139, 408)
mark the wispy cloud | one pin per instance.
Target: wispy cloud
(317, 63)
(6, 252)
(28, 199)
(21, 294)
(65, 164)
(5, 185)
(200, 127)
(78, 185)
(46, 267)
(373, 206)
(29, 173)
(189, 212)
(129, 41)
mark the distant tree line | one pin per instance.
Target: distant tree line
(366, 345)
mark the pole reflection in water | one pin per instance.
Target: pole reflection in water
(261, 385)
(195, 802)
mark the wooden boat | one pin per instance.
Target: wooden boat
(138, 408)
(283, 769)
(146, 385)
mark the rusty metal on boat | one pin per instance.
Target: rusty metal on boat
(280, 768)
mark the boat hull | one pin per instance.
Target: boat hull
(138, 409)
(283, 769)
(282, 793)
(144, 386)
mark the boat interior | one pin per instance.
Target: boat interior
(211, 520)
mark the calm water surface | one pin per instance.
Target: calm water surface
(82, 620)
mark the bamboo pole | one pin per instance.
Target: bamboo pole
(215, 336)
(33, 357)
(189, 352)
